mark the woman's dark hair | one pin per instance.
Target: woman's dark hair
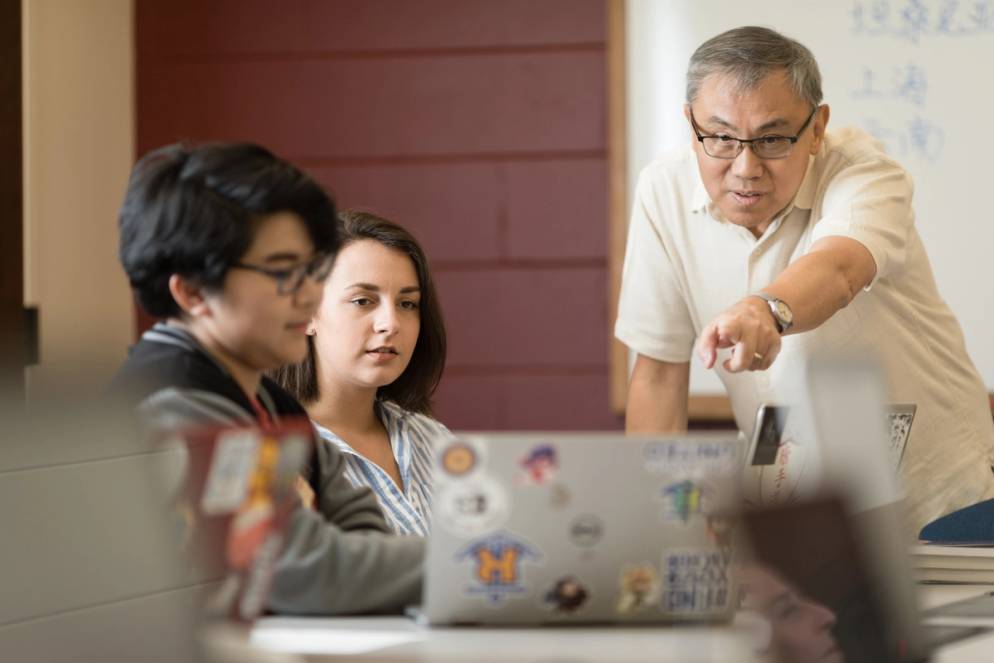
(194, 211)
(415, 386)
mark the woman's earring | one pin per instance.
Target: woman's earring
(311, 331)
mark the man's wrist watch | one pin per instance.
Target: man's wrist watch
(782, 315)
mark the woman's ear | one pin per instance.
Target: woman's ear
(188, 296)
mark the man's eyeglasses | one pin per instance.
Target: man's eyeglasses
(288, 281)
(722, 146)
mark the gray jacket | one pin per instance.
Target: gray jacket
(340, 557)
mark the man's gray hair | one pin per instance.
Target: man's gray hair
(749, 54)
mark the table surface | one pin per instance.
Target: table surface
(379, 639)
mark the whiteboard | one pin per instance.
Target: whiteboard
(917, 74)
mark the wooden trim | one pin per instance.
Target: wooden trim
(617, 155)
(701, 409)
(710, 409)
(13, 332)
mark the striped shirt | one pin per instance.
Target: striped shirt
(412, 437)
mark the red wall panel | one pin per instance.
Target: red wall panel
(502, 317)
(556, 209)
(478, 124)
(218, 27)
(384, 107)
(454, 209)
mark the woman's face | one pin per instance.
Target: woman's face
(369, 319)
(801, 628)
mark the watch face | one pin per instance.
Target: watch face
(784, 312)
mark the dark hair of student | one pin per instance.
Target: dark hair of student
(194, 211)
(415, 386)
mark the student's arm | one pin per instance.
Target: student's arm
(338, 558)
(657, 396)
(325, 570)
(341, 558)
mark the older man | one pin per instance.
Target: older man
(770, 239)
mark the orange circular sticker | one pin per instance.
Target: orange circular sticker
(458, 459)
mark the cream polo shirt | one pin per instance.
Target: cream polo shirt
(683, 266)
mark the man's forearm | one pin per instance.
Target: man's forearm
(820, 283)
(657, 397)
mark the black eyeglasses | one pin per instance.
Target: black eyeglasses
(288, 281)
(723, 146)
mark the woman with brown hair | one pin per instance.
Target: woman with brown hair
(376, 351)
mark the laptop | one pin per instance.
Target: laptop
(779, 461)
(841, 549)
(536, 528)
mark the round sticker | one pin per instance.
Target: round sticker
(559, 496)
(458, 459)
(586, 530)
(470, 508)
(566, 596)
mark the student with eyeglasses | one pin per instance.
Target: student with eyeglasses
(769, 239)
(230, 247)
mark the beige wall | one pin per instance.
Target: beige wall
(78, 149)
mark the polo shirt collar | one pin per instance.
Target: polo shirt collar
(700, 200)
(804, 198)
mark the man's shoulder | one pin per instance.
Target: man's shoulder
(671, 185)
(677, 163)
(850, 146)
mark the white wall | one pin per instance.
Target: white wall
(78, 150)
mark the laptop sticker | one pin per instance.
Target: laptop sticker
(586, 530)
(539, 465)
(900, 428)
(559, 496)
(680, 456)
(685, 499)
(231, 469)
(639, 588)
(720, 529)
(567, 596)
(496, 564)
(459, 459)
(471, 507)
(783, 481)
(695, 581)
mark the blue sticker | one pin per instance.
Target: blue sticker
(695, 582)
(497, 560)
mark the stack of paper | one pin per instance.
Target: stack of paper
(969, 564)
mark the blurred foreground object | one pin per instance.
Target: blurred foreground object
(90, 565)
